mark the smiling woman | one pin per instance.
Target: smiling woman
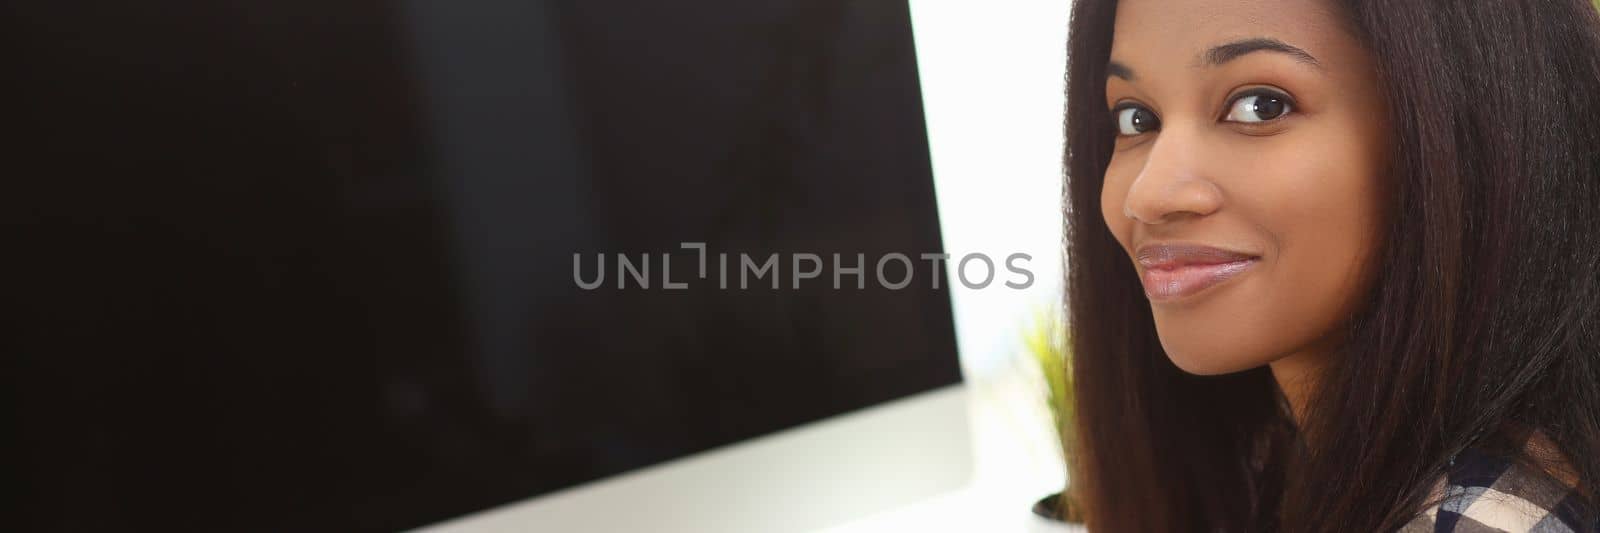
(1332, 264)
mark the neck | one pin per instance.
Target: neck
(1297, 374)
(1294, 376)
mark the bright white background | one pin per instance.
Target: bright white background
(992, 89)
(993, 93)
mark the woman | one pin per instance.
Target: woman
(1335, 265)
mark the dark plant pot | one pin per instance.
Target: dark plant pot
(1050, 508)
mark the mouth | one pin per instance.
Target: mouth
(1175, 271)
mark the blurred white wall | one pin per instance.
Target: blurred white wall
(993, 92)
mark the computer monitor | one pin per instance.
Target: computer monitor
(338, 265)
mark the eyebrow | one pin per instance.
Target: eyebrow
(1224, 53)
(1119, 70)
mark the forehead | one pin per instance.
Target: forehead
(1148, 32)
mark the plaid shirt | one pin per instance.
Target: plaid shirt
(1491, 494)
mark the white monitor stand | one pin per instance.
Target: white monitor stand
(801, 479)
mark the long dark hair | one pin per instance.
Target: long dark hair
(1485, 316)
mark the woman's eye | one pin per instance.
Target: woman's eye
(1136, 120)
(1259, 108)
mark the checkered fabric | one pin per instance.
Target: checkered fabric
(1491, 494)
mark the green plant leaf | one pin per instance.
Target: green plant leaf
(1046, 340)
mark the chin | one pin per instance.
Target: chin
(1202, 366)
(1204, 362)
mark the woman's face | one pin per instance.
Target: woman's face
(1246, 182)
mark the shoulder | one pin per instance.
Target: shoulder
(1484, 493)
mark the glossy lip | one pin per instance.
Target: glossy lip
(1172, 271)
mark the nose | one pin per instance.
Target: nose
(1171, 185)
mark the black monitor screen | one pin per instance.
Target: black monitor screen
(356, 265)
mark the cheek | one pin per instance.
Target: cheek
(1328, 222)
(1319, 207)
